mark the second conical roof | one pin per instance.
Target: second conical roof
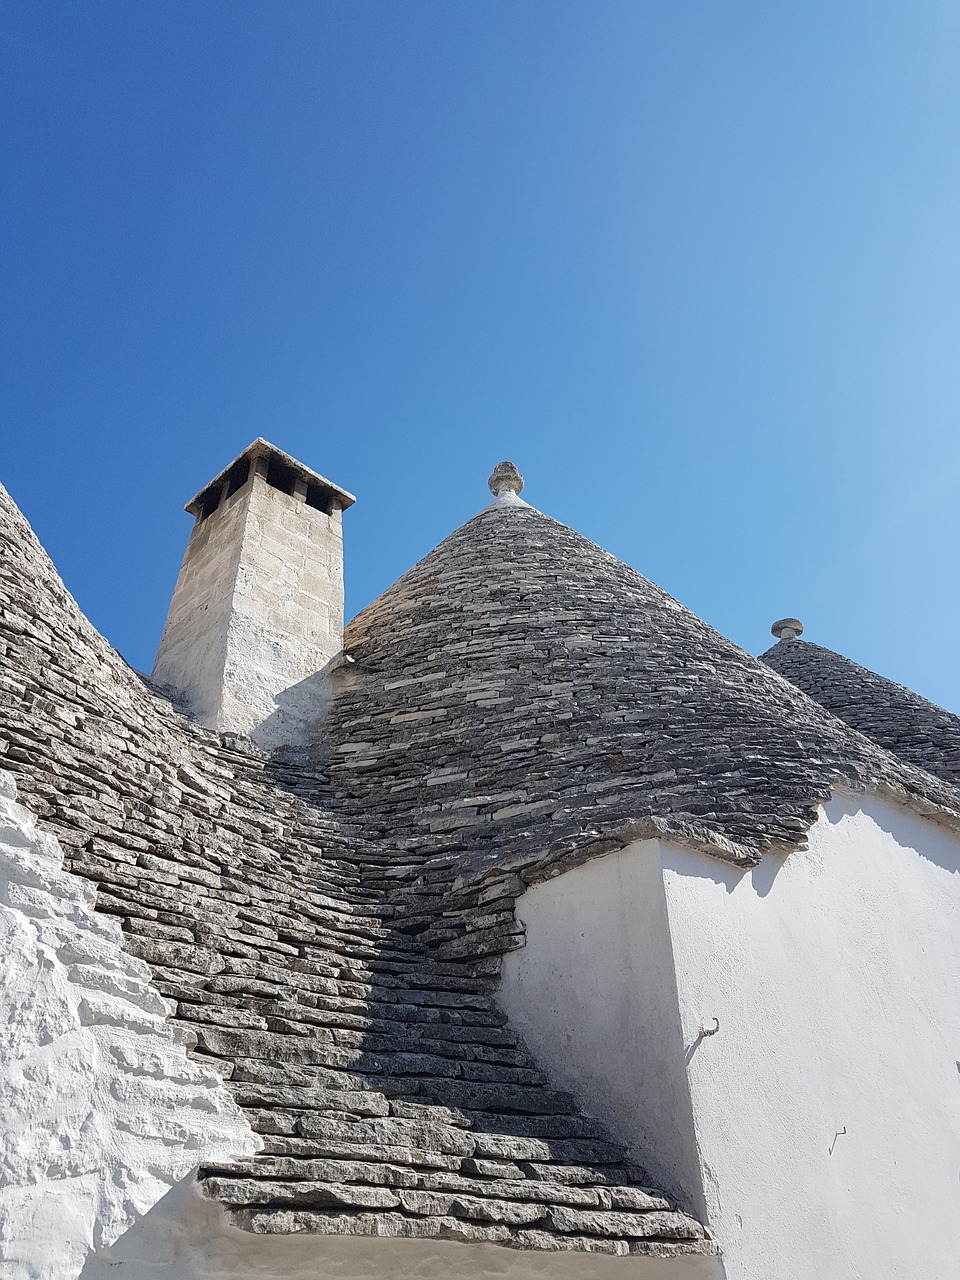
(520, 683)
(918, 731)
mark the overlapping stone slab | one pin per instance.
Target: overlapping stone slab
(521, 701)
(917, 731)
(390, 1094)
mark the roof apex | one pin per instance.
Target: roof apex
(787, 628)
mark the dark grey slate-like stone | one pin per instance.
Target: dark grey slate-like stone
(917, 731)
(330, 929)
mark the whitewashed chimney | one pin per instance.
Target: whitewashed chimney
(257, 612)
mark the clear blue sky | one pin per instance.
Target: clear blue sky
(694, 267)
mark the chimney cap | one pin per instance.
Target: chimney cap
(261, 448)
(787, 628)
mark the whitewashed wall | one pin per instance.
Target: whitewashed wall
(834, 974)
(594, 993)
(101, 1111)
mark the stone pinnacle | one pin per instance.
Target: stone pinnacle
(506, 478)
(787, 628)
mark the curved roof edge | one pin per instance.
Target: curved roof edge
(521, 700)
(915, 730)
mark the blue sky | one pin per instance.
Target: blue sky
(694, 267)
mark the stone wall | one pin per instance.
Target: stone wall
(193, 647)
(257, 613)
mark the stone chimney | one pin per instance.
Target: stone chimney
(257, 612)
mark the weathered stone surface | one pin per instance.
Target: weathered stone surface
(511, 1148)
(579, 707)
(549, 1242)
(475, 1232)
(436, 1204)
(917, 731)
(303, 946)
(635, 1198)
(492, 1168)
(296, 1170)
(521, 1189)
(292, 1222)
(358, 1102)
(389, 1133)
(626, 1225)
(264, 1191)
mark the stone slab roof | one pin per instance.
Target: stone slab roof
(917, 731)
(391, 1096)
(521, 700)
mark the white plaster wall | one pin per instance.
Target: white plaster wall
(101, 1111)
(594, 994)
(834, 973)
(256, 615)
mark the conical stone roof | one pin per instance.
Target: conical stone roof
(918, 731)
(521, 692)
(518, 698)
(389, 1095)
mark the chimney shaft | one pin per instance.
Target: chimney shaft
(257, 612)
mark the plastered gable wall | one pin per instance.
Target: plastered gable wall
(594, 994)
(101, 1111)
(833, 974)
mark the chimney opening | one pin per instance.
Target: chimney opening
(238, 476)
(280, 476)
(210, 501)
(319, 498)
(234, 479)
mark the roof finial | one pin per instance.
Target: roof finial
(505, 479)
(787, 628)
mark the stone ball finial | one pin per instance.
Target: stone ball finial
(505, 479)
(787, 628)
